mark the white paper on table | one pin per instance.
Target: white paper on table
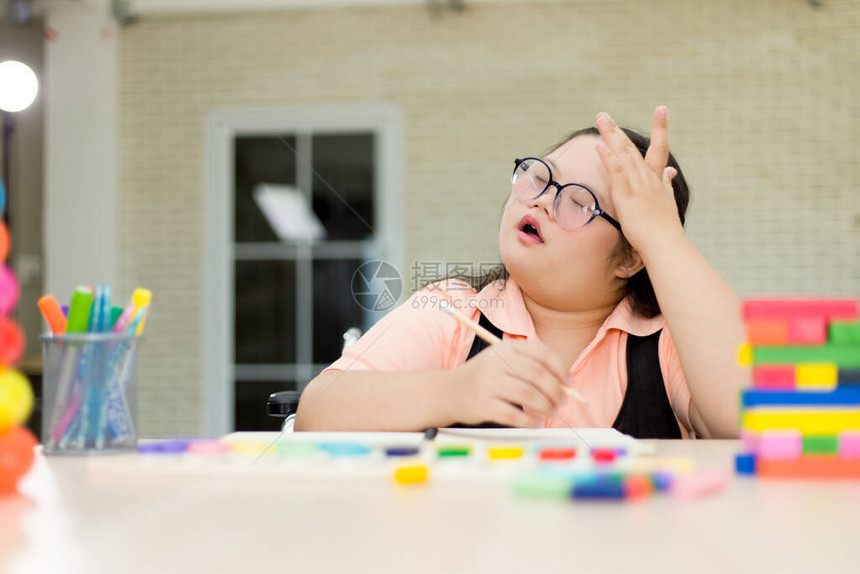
(591, 437)
(288, 212)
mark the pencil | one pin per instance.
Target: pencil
(492, 340)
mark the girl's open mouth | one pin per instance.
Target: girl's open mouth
(529, 230)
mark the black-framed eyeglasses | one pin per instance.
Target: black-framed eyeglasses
(574, 206)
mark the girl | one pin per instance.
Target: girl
(602, 291)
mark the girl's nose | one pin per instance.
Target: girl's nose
(544, 201)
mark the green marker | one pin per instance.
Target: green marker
(115, 312)
(453, 451)
(79, 310)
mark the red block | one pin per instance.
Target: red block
(637, 487)
(825, 308)
(773, 377)
(603, 455)
(811, 466)
(807, 331)
(762, 332)
(557, 453)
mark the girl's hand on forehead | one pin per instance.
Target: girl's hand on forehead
(641, 188)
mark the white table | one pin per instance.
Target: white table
(68, 522)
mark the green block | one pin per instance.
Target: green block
(821, 444)
(542, 485)
(844, 332)
(453, 451)
(291, 448)
(840, 354)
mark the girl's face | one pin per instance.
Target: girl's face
(563, 269)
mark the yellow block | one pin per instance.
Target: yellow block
(745, 355)
(415, 474)
(251, 447)
(505, 452)
(807, 421)
(816, 377)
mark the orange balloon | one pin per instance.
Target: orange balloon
(5, 241)
(16, 457)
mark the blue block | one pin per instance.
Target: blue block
(169, 446)
(401, 451)
(345, 448)
(842, 396)
(662, 480)
(598, 489)
(745, 463)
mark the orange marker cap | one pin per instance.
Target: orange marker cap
(53, 314)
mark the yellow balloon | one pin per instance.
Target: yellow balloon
(5, 419)
(16, 399)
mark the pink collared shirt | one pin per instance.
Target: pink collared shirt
(417, 336)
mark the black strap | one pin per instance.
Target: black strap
(646, 411)
(479, 345)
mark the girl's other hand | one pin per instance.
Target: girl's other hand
(641, 188)
(507, 374)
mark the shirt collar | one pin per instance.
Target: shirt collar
(503, 305)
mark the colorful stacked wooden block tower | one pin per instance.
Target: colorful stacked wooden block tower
(801, 418)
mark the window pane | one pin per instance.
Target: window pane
(251, 412)
(344, 181)
(335, 309)
(265, 312)
(268, 159)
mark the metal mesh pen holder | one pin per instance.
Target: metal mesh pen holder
(90, 393)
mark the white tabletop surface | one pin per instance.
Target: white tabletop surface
(69, 519)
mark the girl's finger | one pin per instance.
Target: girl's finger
(528, 379)
(669, 174)
(507, 414)
(614, 137)
(609, 158)
(525, 394)
(544, 356)
(613, 166)
(625, 151)
(658, 151)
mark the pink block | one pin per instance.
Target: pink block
(849, 444)
(773, 377)
(826, 308)
(780, 445)
(749, 441)
(209, 447)
(807, 331)
(700, 483)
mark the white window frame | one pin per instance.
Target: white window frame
(223, 126)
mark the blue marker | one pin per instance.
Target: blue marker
(118, 416)
(101, 381)
(91, 365)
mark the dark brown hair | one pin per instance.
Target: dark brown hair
(638, 288)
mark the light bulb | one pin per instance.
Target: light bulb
(18, 86)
